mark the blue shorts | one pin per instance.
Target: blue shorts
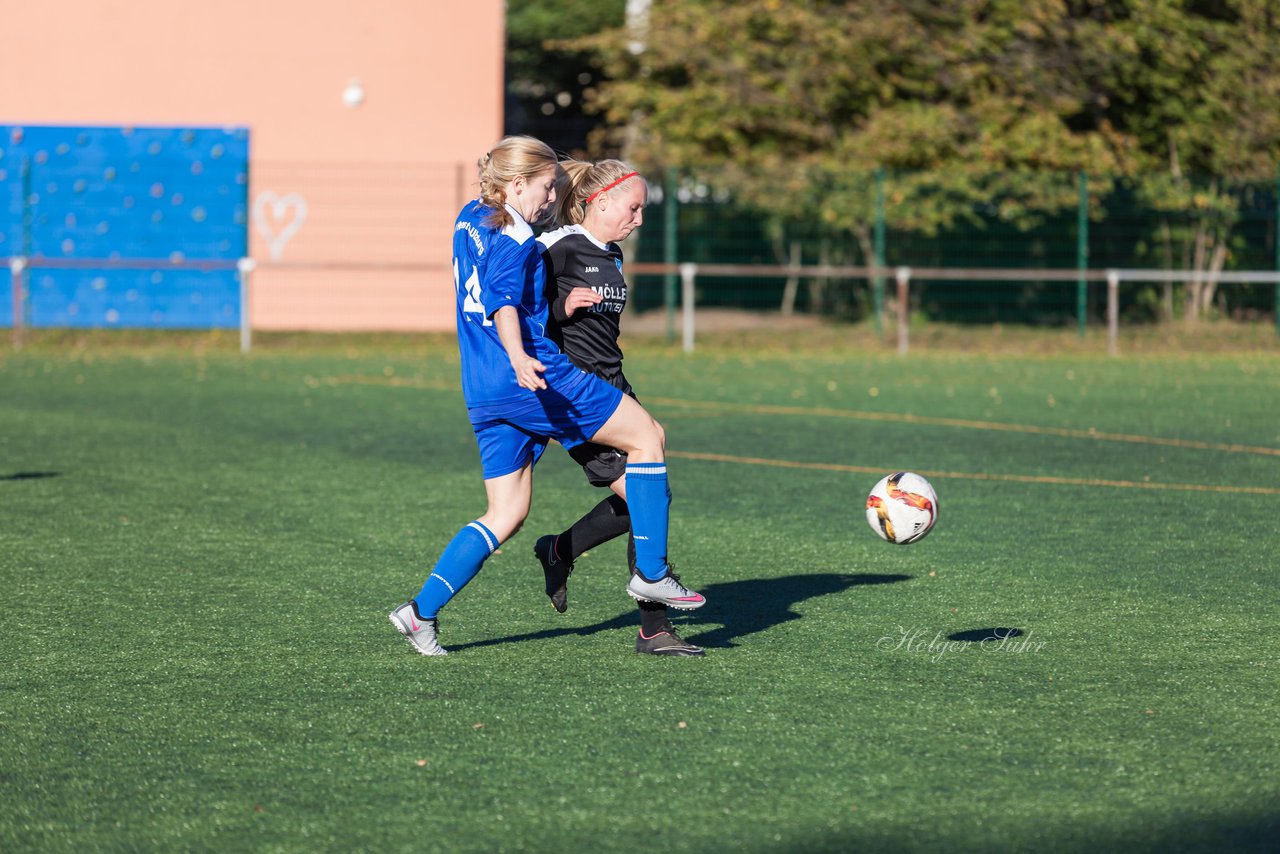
(570, 412)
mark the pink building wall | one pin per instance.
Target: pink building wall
(352, 205)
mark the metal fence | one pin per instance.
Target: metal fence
(1195, 227)
(1111, 281)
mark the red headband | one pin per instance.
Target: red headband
(608, 187)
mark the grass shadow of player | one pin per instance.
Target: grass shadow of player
(998, 633)
(756, 604)
(29, 475)
(622, 621)
(737, 608)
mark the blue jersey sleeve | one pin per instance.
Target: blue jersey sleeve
(506, 274)
(503, 275)
(496, 267)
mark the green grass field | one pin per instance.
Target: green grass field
(198, 551)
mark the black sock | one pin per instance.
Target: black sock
(653, 618)
(608, 519)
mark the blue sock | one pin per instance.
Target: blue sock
(650, 502)
(461, 560)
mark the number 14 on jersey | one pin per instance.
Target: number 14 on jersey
(471, 303)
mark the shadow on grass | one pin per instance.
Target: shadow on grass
(28, 475)
(756, 604)
(980, 635)
(1158, 833)
(737, 608)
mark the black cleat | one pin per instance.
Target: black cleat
(557, 571)
(666, 642)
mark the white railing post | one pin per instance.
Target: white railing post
(244, 271)
(904, 306)
(18, 278)
(1113, 310)
(688, 274)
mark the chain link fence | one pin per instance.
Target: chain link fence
(1195, 228)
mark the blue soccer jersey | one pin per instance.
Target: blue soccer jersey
(492, 268)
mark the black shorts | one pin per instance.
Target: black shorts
(601, 464)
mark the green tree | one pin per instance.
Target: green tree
(795, 104)
(546, 81)
(1197, 85)
(968, 104)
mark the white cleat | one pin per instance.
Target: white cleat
(420, 633)
(667, 590)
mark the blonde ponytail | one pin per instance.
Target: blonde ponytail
(581, 182)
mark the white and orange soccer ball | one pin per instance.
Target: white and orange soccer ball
(902, 508)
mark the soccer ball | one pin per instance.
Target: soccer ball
(902, 508)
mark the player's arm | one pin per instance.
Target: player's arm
(503, 287)
(528, 369)
(568, 300)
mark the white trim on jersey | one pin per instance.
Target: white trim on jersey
(551, 238)
(519, 231)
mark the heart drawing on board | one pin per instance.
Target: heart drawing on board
(278, 218)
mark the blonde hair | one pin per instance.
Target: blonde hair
(580, 180)
(511, 158)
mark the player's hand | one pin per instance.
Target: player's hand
(580, 298)
(529, 372)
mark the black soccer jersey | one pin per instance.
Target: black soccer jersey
(575, 259)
